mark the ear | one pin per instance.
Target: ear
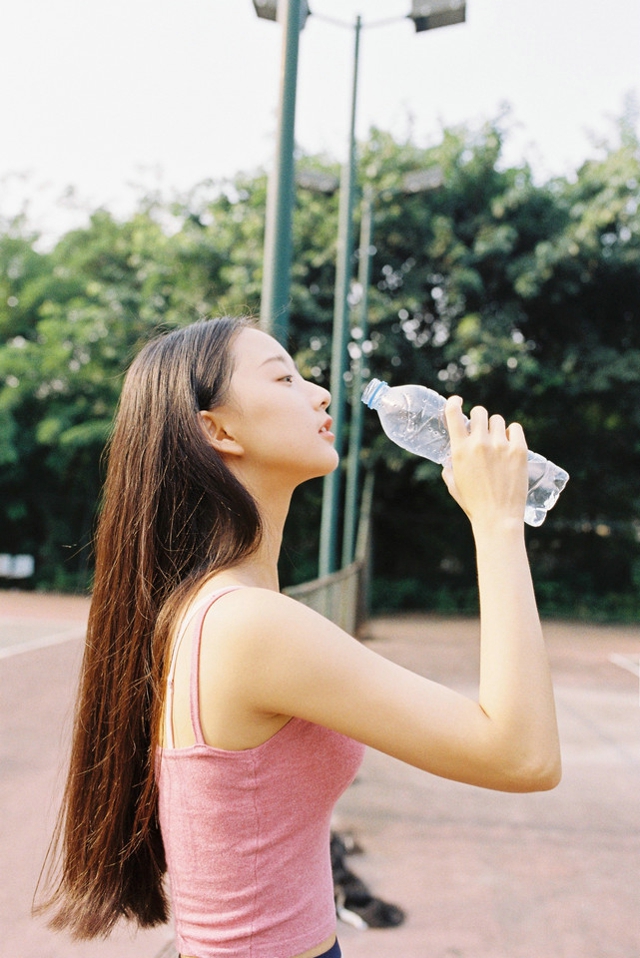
(215, 428)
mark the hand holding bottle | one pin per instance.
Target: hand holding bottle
(413, 416)
(487, 470)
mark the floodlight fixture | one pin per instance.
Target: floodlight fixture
(317, 182)
(268, 10)
(422, 181)
(431, 14)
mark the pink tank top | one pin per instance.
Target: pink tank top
(246, 834)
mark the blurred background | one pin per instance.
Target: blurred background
(480, 234)
(137, 143)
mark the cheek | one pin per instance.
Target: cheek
(273, 432)
(254, 416)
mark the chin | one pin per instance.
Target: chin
(334, 465)
(325, 469)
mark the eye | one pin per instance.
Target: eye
(286, 379)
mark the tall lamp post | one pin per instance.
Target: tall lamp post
(417, 181)
(331, 486)
(355, 433)
(274, 300)
(426, 15)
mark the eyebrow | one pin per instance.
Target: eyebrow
(285, 360)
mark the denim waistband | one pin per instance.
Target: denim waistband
(334, 951)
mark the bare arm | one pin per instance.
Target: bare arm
(277, 657)
(515, 682)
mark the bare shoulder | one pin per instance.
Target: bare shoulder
(283, 657)
(247, 615)
(278, 649)
(269, 654)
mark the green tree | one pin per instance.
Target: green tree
(520, 296)
(104, 289)
(526, 299)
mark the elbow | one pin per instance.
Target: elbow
(543, 779)
(539, 774)
(553, 773)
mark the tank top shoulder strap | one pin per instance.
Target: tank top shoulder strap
(195, 660)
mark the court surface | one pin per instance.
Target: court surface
(480, 874)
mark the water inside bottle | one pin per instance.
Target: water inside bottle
(546, 482)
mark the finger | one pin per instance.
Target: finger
(497, 426)
(479, 418)
(515, 434)
(456, 422)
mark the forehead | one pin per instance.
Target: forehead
(253, 347)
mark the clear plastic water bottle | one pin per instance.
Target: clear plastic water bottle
(413, 416)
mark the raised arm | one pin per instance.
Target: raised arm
(488, 477)
(270, 656)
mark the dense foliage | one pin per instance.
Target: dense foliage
(521, 296)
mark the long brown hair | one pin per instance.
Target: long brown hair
(172, 513)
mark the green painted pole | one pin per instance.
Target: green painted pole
(357, 409)
(274, 303)
(331, 489)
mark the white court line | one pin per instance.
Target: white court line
(41, 643)
(631, 665)
(168, 951)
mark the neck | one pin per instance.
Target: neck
(260, 569)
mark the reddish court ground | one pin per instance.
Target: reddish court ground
(480, 874)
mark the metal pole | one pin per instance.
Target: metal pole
(331, 490)
(355, 433)
(274, 305)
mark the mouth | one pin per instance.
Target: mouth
(325, 429)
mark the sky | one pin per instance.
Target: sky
(104, 101)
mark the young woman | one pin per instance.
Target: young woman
(218, 721)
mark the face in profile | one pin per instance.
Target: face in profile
(273, 420)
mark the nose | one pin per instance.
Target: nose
(322, 397)
(326, 398)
